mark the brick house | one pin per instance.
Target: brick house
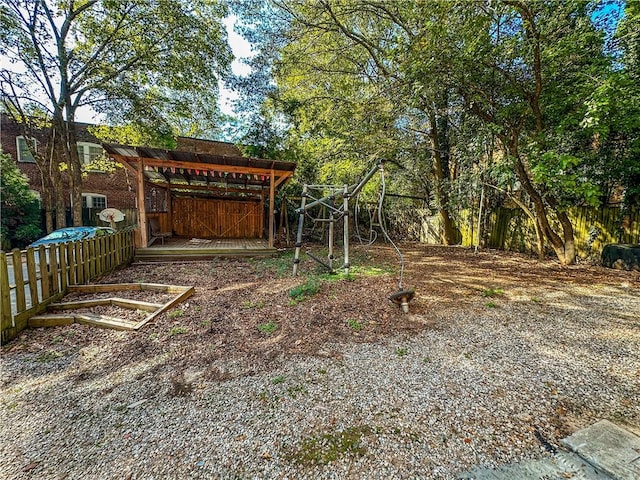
(100, 189)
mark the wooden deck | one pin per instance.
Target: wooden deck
(184, 249)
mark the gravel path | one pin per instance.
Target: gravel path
(484, 386)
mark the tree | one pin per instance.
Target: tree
(20, 222)
(527, 74)
(613, 114)
(344, 82)
(70, 54)
(458, 94)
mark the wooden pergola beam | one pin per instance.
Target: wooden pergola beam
(126, 164)
(281, 180)
(217, 167)
(210, 188)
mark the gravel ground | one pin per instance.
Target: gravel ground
(494, 380)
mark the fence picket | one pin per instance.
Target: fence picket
(53, 268)
(113, 249)
(64, 279)
(79, 263)
(33, 276)
(86, 261)
(71, 263)
(94, 257)
(18, 280)
(6, 320)
(104, 254)
(44, 271)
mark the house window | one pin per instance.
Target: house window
(26, 147)
(94, 200)
(88, 152)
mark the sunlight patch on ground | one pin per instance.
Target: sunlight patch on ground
(278, 286)
(237, 286)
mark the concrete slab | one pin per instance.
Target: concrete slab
(562, 465)
(613, 449)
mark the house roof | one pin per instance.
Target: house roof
(200, 145)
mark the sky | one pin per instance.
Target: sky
(241, 48)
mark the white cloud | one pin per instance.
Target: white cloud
(241, 49)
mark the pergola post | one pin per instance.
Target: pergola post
(169, 210)
(272, 202)
(142, 208)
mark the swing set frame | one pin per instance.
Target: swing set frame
(337, 204)
(340, 211)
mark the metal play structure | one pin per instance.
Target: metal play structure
(337, 204)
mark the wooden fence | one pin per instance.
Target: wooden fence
(511, 229)
(217, 218)
(33, 278)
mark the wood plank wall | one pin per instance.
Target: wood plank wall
(35, 277)
(163, 218)
(217, 218)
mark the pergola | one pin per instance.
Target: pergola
(202, 185)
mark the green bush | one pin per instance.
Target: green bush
(20, 222)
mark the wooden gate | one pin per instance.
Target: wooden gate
(217, 218)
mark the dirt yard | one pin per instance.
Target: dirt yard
(235, 296)
(506, 354)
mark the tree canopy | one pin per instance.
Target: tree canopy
(154, 64)
(512, 95)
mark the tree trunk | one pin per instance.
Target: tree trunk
(564, 246)
(440, 148)
(75, 171)
(55, 176)
(61, 204)
(48, 217)
(568, 238)
(46, 199)
(539, 239)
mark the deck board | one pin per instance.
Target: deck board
(183, 248)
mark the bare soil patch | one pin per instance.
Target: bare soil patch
(236, 297)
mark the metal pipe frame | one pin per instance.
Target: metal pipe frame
(330, 253)
(345, 241)
(296, 259)
(345, 191)
(349, 191)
